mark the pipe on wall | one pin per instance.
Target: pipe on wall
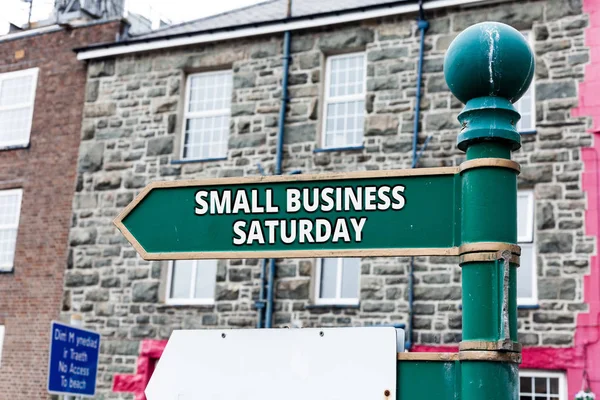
(278, 167)
(422, 25)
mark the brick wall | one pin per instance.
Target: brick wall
(31, 295)
(131, 132)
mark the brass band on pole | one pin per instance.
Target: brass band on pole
(500, 345)
(490, 162)
(493, 356)
(488, 256)
(489, 247)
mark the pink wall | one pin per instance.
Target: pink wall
(587, 335)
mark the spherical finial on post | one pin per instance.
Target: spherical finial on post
(489, 59)
(488, 66)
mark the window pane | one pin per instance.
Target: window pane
(206, 276)
(8, 240)
(554, 386)
(344, 124)
(181, 279)
(540, 385)
(14, 124)
(328, 278)
(10, 204)
(206, 137)
(525, 382)
(210, 91)
(525, 216)
(526, 272)
(350, 278)
(14, 91)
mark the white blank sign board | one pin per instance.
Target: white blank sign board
(275, 364)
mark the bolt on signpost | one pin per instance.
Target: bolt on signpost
(469, 211)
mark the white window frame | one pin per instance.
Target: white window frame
(2, 332)
(9, 192)
(529, 37)
(189, 301)
(201, 114)
(338, 300)
(529, 240)
(341, 99)
(532, 373)
(33, 72)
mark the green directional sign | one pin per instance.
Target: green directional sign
(387, 213)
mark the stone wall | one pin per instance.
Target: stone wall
(131, 136)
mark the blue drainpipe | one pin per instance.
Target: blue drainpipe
(278, 162)
(422, 25)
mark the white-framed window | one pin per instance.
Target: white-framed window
(10, 210)
(337, 281)
(191, 282)
(527, 271)
(345, 91)
(526, 104)
(17, 96)
(542, 385)
(1, 342)
(207, 115)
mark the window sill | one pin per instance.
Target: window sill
(6, 270)
(330, 149)
(528, 306)
(14, 147)
(197, 160)
(334, 306)
(519, 306)
(529, 132)
(171, 303)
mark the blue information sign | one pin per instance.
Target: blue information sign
(73, 360)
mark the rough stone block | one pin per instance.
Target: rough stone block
(300, 133)
(108, 181)
(381, 125)
(91, 91)
(388, 53)
(98, 69)
(556, 288)
(95, 110)
(346, 39)
(144, 292)
(82, 236)
(244, 80)
(78, 279)
(160, 146)
(292, 289)
(555, 242)
(555, 90)
(384, 83)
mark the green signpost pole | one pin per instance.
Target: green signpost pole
(488, 67)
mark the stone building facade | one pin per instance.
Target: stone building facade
(40, 76)
(133, 120)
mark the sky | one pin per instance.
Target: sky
(16, 11)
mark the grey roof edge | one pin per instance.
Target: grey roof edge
(239, 27)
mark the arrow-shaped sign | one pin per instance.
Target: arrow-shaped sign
(378, 213)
